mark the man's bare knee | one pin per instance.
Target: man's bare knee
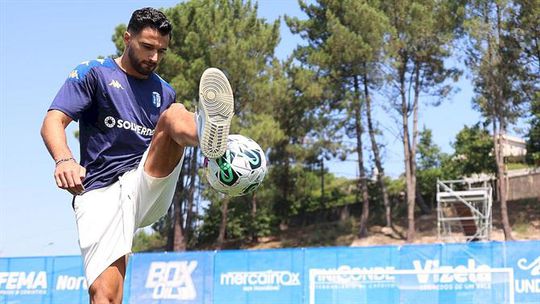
(102, 292)
(179, 124)
(108, 287)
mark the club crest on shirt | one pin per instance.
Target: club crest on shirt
(156, 99)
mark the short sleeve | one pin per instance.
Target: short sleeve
(77, 92)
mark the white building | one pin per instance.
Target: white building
(513, 146)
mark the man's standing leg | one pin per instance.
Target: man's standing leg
(175, 130)
(109, 286)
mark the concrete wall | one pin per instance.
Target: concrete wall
(524, 186)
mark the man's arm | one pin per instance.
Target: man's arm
(68, 173)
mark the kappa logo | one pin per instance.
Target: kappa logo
(74, 74)
(172, 280)
(115, 84)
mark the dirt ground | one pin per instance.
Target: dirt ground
(524, 218)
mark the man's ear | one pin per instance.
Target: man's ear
(127, 37)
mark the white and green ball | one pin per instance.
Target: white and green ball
(240, 170)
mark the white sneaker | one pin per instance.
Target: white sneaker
(214, 112)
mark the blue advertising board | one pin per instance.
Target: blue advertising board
(454, 273)
(351, 275)
(69, 284)
(42, 280)
(261, 276)
(524, 260)
(171, 278)
(474, 273)
(26, 280)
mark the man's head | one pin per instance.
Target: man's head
(147, 38)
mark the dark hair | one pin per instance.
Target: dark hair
(149, 17)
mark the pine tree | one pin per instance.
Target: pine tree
(419, 43)
(499, 79)
(344, 44)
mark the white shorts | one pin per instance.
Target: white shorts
(107, 218)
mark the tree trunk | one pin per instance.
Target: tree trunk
(411, 195)
(501, 177)
(411, 187)
(179, 243)
(285, 187)
(177, 239)
(322, 181)
(223, 225)
(170, 229)
(254, 228)
(193, 168)
(411, 156)
(500, 129)
(359, 149)
(376, 155)
(424, 208)
(416, 104)
(344, 213)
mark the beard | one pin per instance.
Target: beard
(141, 66)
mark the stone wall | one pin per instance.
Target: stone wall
(524, 186)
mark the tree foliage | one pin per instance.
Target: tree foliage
(345, 41)
(533, 140)
(473, 152)
(502, 83)
(316, 106)
(419, 44)
(429, 160)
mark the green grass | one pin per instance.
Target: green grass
(517, 166)
(521, 228)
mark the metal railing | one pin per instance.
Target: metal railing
(464, 210)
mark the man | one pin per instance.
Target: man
(132, 140)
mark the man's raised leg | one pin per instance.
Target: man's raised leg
(209, 128)
(176, 129)
(214, 112)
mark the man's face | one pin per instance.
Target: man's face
(145, 50)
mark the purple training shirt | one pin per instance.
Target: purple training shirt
(117, 115)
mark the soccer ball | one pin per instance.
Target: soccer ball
(240, 170)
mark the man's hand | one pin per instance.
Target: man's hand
(69, 176)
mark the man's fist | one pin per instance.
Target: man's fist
(69, 176)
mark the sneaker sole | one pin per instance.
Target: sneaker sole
(216, 104)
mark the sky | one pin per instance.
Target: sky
(42, 41)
